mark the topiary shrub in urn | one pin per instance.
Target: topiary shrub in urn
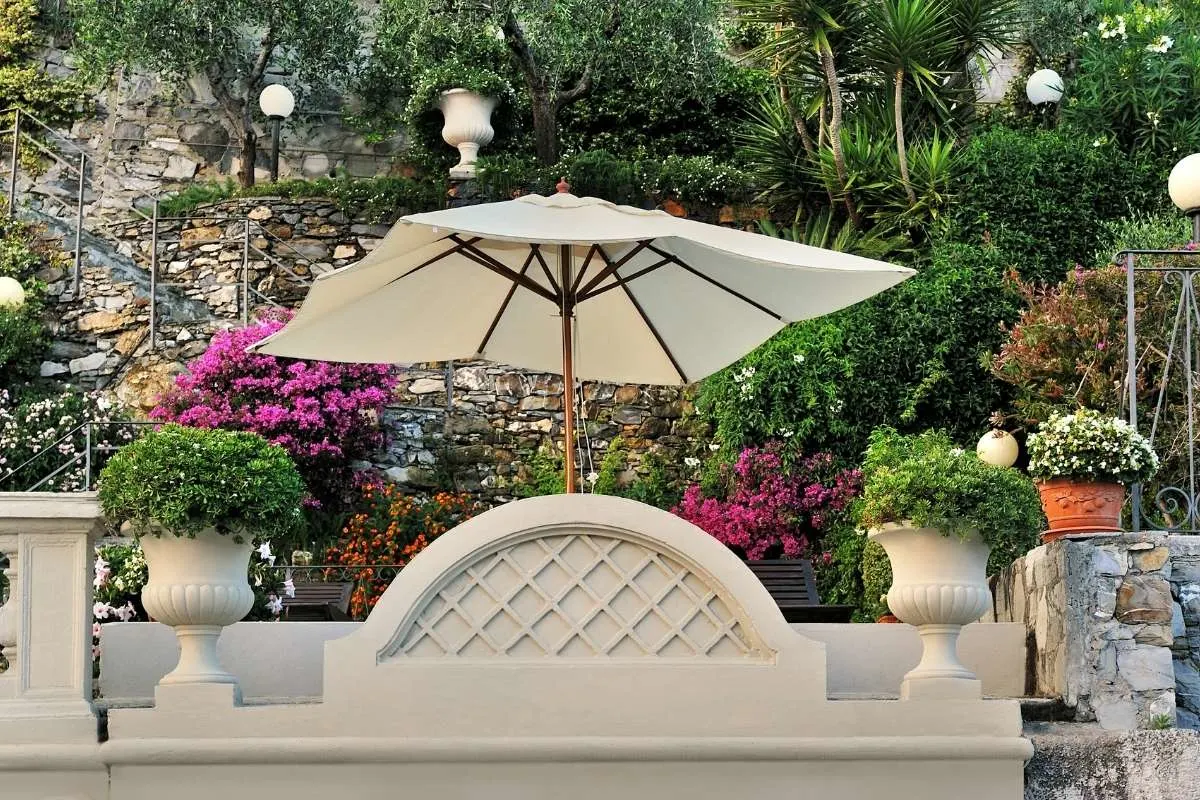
(939, 512)
(197, 498)
(1082, 463)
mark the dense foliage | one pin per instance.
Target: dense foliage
(23, 84)
(324, 414)
(1045, 197)
(771, 506)
(554, 55)
(925, 480)
(913, 358)
(184, 480)
(1089, 445)
(43, 434)
(388, 529)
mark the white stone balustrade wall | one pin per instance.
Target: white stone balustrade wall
(1114, 626)
(45, 627)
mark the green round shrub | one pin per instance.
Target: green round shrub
(926, 481)
(876, 579)
(184, 480)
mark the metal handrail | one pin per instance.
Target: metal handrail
(90, 446)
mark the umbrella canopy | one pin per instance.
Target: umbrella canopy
(574, 285)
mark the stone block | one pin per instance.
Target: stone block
(180, 168)
(1151, 560)
(1158, 635)
(1144, 598)
(1115, 711)
(1146, 668)
(1187, 684)
(87, 363)
(626, 394)
(51, 368)
(1106, 597)
(541, 403)
(427, 386)
(1109, 561)
(201, 235)
(345, 251)
(260, 213)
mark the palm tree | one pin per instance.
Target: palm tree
(908, 40)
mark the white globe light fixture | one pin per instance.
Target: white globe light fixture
(1184, 187)
(278, 103)
(12, 294)
(1044, 86)
(999, 448)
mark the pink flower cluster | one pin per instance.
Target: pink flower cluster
(325, 414)
(773, 507)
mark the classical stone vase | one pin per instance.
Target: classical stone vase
(468, 126)
(1075, 506)
(939, 584)
(197, 586)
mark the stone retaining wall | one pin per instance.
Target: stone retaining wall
(483, 440)
(1114, 624)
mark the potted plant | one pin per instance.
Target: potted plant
(466, 94)
(196, 499)
(1082, 463)
(939, 511)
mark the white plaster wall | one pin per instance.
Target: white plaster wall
(284, 659)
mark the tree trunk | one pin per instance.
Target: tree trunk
(901, 149)
(249, 150)
(835, 130)
(545, 128)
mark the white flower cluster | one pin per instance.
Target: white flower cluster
(1161, 45)
(1110, 30)
(1091, 446)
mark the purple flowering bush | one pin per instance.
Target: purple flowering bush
(324, 414)
(773, 505)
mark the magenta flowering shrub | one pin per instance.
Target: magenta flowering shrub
(324, 414)
(769, 506)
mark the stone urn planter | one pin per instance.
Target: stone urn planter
(468, 126)
(197, 586)
(1080, 507)
(939, 584)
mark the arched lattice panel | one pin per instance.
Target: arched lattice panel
(583, 593)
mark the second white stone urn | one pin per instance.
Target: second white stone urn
(939, 584)
(468, 126)
(197, 586)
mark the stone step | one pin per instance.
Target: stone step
(1044, 709)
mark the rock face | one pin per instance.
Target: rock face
(1114, 624)
(1075, 762)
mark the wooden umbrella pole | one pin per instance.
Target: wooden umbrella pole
(568, 314)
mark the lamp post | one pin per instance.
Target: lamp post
(1184, 187)
(277, 102)
(12, 294)
(1044, 86)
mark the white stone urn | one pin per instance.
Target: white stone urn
(468, 126)
(197, 586)
(939, 584)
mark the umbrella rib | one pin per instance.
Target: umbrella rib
(504, 305)
(537, 250)
(613, 266)
(622, 280)
(657, 336)
(716, 283)
(486, 261)
(582, 269)
(457, 248)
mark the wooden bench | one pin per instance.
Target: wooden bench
(793, 587)
(318, 602)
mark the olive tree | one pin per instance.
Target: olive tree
(231, 42)
(555, 54)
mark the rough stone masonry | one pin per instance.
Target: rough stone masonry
(1114, 626)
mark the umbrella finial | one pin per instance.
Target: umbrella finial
(562, 186)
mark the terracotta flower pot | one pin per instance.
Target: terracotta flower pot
(1074, 506)
(888, 618)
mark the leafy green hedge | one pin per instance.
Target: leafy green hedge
(1046, 196)
(911, 358)
(378, 199)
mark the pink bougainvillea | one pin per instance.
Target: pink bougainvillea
(771, 508)
(325, 414)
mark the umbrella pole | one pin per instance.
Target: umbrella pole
(568, 313)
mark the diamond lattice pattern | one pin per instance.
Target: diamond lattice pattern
(576, 596)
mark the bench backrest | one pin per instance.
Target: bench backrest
(790, 582)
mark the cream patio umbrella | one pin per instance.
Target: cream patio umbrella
(572, 285)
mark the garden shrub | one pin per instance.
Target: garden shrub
(50, 425)
(1045, 196)
(876, 578)
(1135, 80)
(388, 529)
(773, 504)
(912, 357)
(324, 414)
(23, 336)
